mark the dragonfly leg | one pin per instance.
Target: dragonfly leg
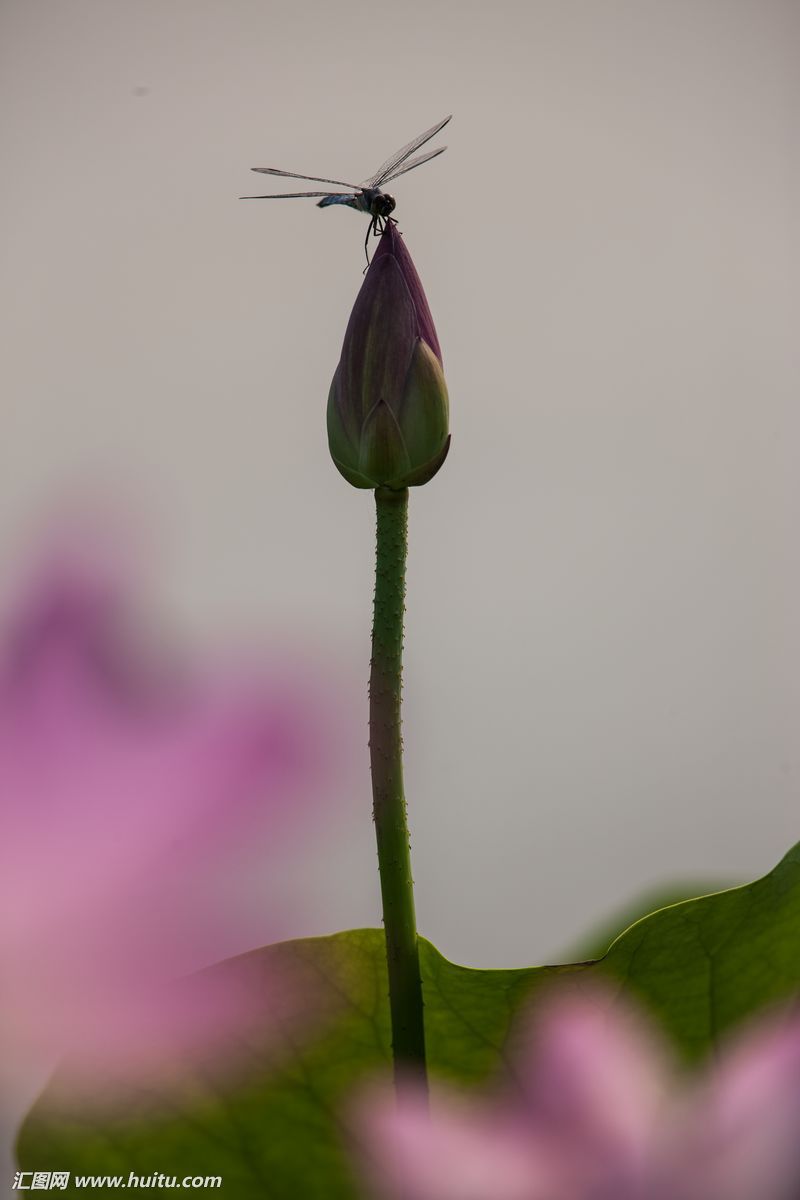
(371, 228)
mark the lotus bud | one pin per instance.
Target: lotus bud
(388, 412)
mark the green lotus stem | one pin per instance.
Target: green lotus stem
(389, 803)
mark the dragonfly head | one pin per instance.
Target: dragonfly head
(382, 205)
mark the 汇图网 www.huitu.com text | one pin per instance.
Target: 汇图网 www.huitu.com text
(44, 1181)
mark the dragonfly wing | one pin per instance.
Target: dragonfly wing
(391, 164)
(294, 196)
(415, 162)
(311, 178)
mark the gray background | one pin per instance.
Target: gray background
(602, 650)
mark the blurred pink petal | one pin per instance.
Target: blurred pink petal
(595, 1074)
(740, 1132)
(129, 786)
(596, 1111)
(462, 1153)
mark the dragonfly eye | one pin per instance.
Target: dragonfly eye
(386, 204)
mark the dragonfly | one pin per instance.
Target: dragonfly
(367, 196)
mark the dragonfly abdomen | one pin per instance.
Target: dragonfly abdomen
(351, 202)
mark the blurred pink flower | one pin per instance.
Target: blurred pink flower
(131, 789)
(598, 1111)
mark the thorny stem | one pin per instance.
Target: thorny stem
(389, 805)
